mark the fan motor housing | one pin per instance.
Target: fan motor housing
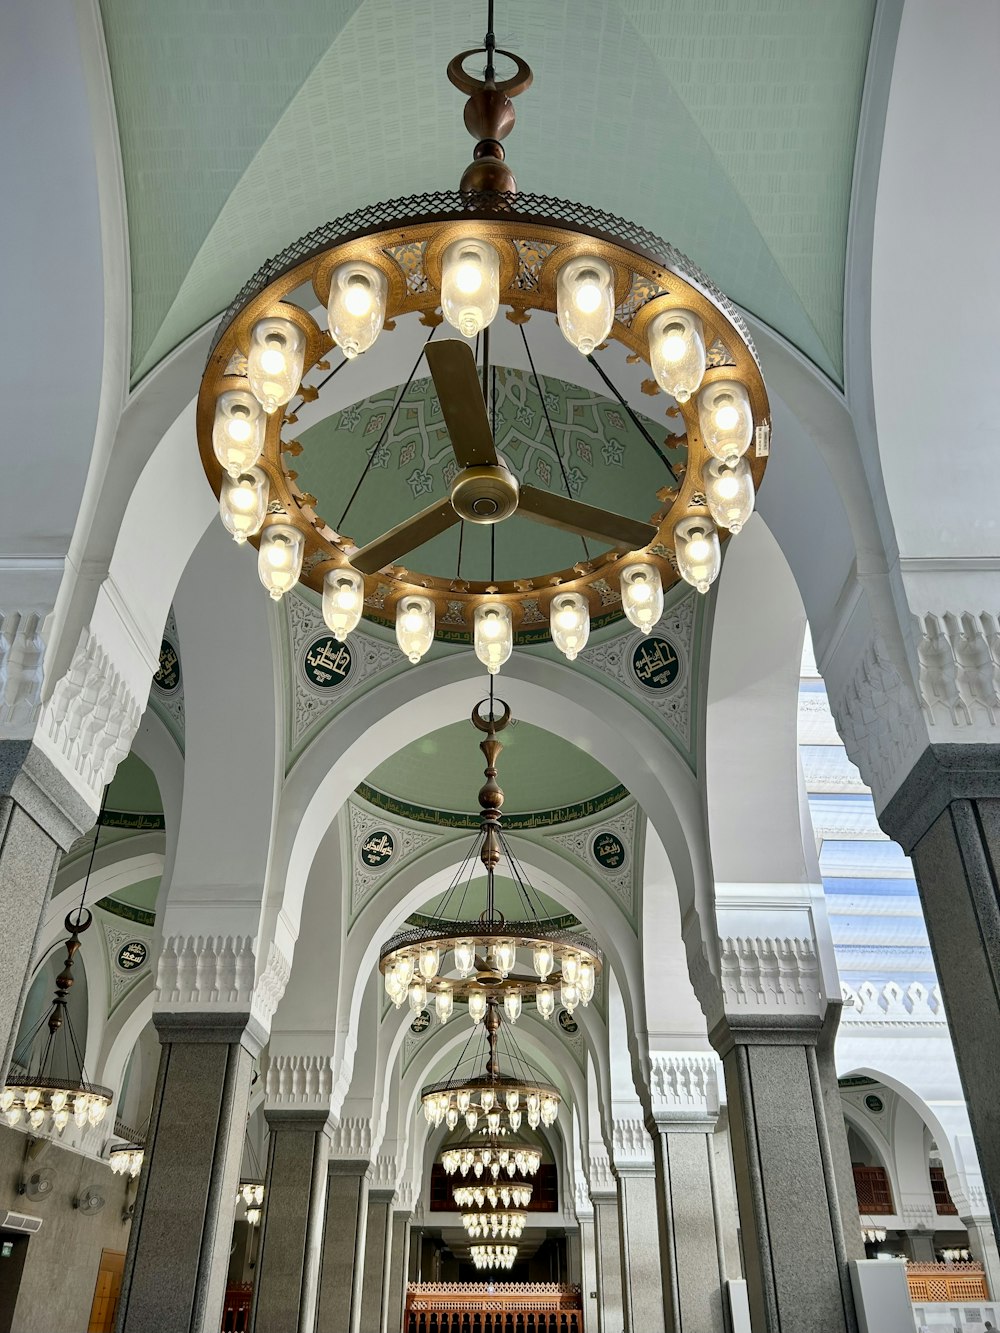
(484, 494)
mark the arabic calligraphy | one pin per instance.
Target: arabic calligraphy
(608, 851)
(377, 848)
(655, 664)
(327, 663)
(168, 676)
(132, 955)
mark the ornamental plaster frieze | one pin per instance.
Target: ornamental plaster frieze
(324, 674)
(631, 1145)
(383, 1173)
(196, 973)
(770, 976)
(22, 657)
(124, 971)
(891, 1002)
(582, 1204)
(585, 841)
(683, 1087)
(406, 1197)
(298, 1083)
(600, 1175)
(959, 676)
(655, 670)
(351, 1140)
(378, 848)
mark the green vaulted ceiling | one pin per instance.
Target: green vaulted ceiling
(727, 126)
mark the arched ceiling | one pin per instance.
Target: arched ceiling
(728, 127)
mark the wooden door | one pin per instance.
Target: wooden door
(106, 1293)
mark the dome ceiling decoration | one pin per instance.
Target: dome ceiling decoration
(458, 258)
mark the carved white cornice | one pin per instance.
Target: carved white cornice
(770, 975)
(631, 1144)
(959, 655)
(198, 973)
(892, 1003)
(351, 1140)
(582, 1204)
(683, 1087)
(22, 655)
(600, 1175)
(298, 1083)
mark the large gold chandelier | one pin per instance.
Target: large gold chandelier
(462, 257)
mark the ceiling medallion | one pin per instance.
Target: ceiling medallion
(459, 257)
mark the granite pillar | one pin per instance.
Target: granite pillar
(182, 1227)
(794, 1248)
(608, 1252)
(642, 1288)
(983, 1248)
(291, 1236)
(399, 1269)
(588, 1272)
(342, 1269)
(946, 817)
(691, 1227)
(41, 816)
(375, 1275)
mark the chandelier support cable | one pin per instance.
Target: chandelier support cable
(633, 417)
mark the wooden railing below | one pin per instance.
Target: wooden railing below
(236, 1311)
(510, 1307)
(947, 1282)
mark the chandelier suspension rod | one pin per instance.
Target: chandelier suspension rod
(635, 421)
(385, 430)
(552, 434)
(441, 909)
(524, 886)
(93, 851)
(490, 42)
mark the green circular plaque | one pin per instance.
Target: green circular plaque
(168, 675)
(377, 848)
(608, 850)
(327, 663)
(131, 955)
(655, 663)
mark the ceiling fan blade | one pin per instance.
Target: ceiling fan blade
(453, 368)
(558, 511)
(405, 537)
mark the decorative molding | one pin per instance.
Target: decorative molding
(365, 878)
(369, 658)
(199, 972)
(513, 822)
(631, 1144)
(890, 1002)
(91, 717)
(351, 1140)
(22, 660)
(405, 1197)
(770, 974)
(122, 982)
(581, 1201)
(383, 1173)
(580, 844)
(959, 656)
(683, 1087)
(298, 1082)
(600, 1175)
(673, 704)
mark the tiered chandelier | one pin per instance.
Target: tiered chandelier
(492, 1161)
(494, 1256)
(497, 1196)
(494, 1226)
(460, 257)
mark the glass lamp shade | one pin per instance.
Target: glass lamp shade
(570, 968)
(238, 432)
(725, 419)
(545, 1001)
(642, 596)
(699, 557)
(465, 957)
(477, 1006)
(243, 503)
(493, 634)
(343, 601)
(355, 311)
(587, 982)
(274, 364)
(504, 956)
(569, 994)
(585, 301)
(677, 353)
(430, 961)
(729, 492)
(414, 626)
(569, 622)
(544, 960)
(279, 559)
(470, 285)
(417, 994)
(512, 1006)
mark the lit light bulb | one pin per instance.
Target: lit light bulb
(512, 1099)
(36, 1117)
(6, 1100)
(569, 994)
(545, 1001)
(471, 1119)
(355, 312)
(275, 362)
(279, 558)
(570, 967)
(569, 622)
(243, 503)
(587, 982)
(677, 353)
(514, 1120)
(465, 957)
(430, 961)
(343, 601)
(470, 285)
(642, 596)
(504, 956)
(444, 1003)
(417, 995)
(464, 1100)
(31, 1099)
(451, 1117)
(543, 960)
(414, 626)
(238, 431)
(699, 558)
(493, 633)
(585, 301)
(512, 1005)
(477, 1006)
(729, 492)
(725, 419)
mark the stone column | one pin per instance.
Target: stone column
(344, 1232)
(588, 1268)
(642, 1289)
(983, 1247)
(375, 1265)
(694, 1232)
(607, 1248)
(399, 1269)
(291, 1237)
(178, 1249)
(41, 816)
(794, 1247)
(946, 817)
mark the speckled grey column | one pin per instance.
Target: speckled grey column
(588, 1273)
(946, 817)
(378, 1242)
(642, 1288)
(794, 1249)
(399, 1268)
(291, 1237)
(344, 1231)
(608, 1250)
(691, 1227)
(178, 1249)
(41, 816)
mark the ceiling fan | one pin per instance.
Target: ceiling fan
(485, 490)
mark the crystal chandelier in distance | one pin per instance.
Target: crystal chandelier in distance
(496, 1196)
(492, 1161)
(494, 1256)
(462, 257)
(494, 1225)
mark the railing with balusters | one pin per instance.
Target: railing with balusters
(500, 1307)
(947, 1282)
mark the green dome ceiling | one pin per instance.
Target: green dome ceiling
(727, 127)
(606, 459)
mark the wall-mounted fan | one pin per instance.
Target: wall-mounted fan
(90, 1200)
(484, 489)
(39, 1184)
